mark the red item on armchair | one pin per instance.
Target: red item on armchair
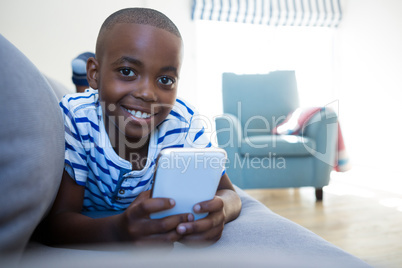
(294, 125)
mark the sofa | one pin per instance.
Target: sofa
(31, 164)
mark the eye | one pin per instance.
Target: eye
(127, 72)
(166, 81)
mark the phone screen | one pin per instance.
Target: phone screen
(188, 176)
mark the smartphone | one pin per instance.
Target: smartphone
(188, 176)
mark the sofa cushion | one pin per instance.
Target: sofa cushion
(280, 145)
(32, 148)
(58, 88)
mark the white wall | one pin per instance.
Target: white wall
(52, 32)
(369, 65)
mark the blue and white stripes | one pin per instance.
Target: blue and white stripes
(316, 13)
(110, 183)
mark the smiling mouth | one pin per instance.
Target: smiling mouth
(138, 114)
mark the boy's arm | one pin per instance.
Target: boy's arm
(66, 225)
(232, 202)
(225, 207)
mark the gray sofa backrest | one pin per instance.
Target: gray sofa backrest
(31, 145)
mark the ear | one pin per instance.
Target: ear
(93, 72)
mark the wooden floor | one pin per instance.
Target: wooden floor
(361, 213)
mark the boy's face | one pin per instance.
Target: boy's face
(136, 72)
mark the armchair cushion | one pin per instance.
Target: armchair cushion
(276, 145)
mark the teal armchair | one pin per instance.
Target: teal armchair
(253, 106)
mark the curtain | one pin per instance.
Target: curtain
(314, 13)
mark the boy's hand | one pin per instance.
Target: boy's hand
(207, 230)
(139, 228)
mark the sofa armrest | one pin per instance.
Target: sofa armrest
(32, 148)
(257, 238)
(323, 128)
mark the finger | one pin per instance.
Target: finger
(164, 225)
(143, 209)
(202, 239)
(143, 196)
(165, 238)
(213, 205)
(211, 221)
(170, 237)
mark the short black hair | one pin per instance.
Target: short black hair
(141, 16)
(136, 15)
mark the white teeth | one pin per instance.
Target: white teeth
(138, 114)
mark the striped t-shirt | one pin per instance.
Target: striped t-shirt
(110, 183)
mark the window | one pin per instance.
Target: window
(247, 48)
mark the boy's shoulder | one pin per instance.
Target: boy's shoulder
(183, 111)
(75, 101)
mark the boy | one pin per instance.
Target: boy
(115, 132)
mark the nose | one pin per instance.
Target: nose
(145, 90)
